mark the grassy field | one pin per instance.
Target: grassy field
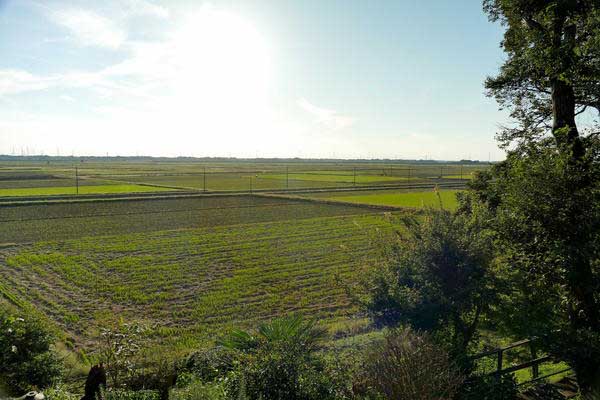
(394, 198)
(190, 283)
(48, 183)
(232, 181)
(30, 223)
(339, 178)
(465, 176)
(84, 189)
(235, 175)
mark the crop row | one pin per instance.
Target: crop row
(199, 280)
(30, 223)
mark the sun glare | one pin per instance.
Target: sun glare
(220, 66)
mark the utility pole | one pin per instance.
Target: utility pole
(204, 179)
(250, 184)
(409, 173)
(354, 180)
(76, 180)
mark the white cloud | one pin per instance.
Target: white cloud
(142, 7)
(89, 28)
(16, 81)
(329, 118)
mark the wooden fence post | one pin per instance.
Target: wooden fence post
(535, 369)
(499, 366)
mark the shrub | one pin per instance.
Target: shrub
(59, 393)
(119, 348)
(26, 357)
(437, 277)
(198, 390)
(119, 394)
(277, 373)
(210, 364)
(159, 376)
(279, 362)
(409, 366)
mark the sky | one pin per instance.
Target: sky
(400, 79)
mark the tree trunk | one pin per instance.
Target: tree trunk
(588, 379)
(585, 317)
(585, 314)
(563, 116)
(563, 109)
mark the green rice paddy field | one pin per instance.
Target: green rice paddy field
(84, 189)
(394, 198)
(59, 177)
(190, 266)
(187, 267)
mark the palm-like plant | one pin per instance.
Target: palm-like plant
(291, 330)
(279, 361)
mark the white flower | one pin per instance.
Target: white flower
(13, 348)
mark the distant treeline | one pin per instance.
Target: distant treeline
(45, 158)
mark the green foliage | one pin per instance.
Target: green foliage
(59, 392)
(159, 375)
(198, 390)
(118, 350)
(409, 366)
(120, 394)
(547, 219)
(293, 331)
(545, 197)
(552, 49)
(26, 356)
(279, 361)
(437, 277)
(210, 364)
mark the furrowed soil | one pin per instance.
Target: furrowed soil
(188, 268)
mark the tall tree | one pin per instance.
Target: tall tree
(552, 73)
(546, 195)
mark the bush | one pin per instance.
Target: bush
(59, 393)
(131, 395)
(278, 373)
(198, 390)
(159, 376)
(119, 348)
(409, 366)
(213, 363)
(26, 357)
(279, 362)
(438, 277)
